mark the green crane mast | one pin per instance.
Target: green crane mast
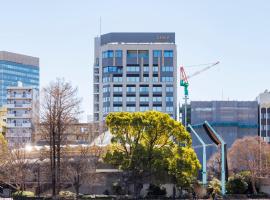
(184, 82)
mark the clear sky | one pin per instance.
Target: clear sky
(61, 33)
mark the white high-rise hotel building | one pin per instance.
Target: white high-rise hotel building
(135, 72)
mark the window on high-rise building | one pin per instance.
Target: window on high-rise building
(146, 79)
(118, 53)
(133, 79)
(167, 68)
(131, 108)
(131, 99)
(133, 69)
(143, 54)
(106, 99)
(169, 109)
(107, 54)
(106, 89)
(117, 79)
(155, 68)
(117, 89)
(168, 53)
(117, 109)
(166, 79)
(117, 99)
(169, 99)
(131, 88)
(155, 79)
(144, 89)
(169, 89)
(132, 54)
(146, 69)
(144, 108)
(157, 53)
(157, 108)
(144, 99)
(106, 79)
(157, 89)
(157, 99)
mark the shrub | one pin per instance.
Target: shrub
(214, 187)
(67, 194)
(23, 194)
(236, 185)
(247, 177)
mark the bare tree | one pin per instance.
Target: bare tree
(59, 107)
(81, 164)
(214, 165)
(251, 154)
(17, 168)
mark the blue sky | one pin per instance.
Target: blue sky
(61, 33)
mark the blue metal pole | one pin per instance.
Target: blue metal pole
(204, 172)
(223, 181)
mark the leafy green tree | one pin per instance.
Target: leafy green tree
(183, 165)
(150, 145)
(3, 148)
(236, 185)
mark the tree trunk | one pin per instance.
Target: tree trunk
(53, 165)
(58, 150)
(174, 191)
(77, 186)
(253, 186)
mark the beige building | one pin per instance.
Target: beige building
(76, 133)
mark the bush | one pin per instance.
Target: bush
(236, 185)
(214, 187)
(23, 194)
(155, 190)
(247, 177)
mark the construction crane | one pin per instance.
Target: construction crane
(184, 81)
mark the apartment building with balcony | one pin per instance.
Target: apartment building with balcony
(135, 72)
(22, 114)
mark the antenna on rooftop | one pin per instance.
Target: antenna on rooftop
(100, 26)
